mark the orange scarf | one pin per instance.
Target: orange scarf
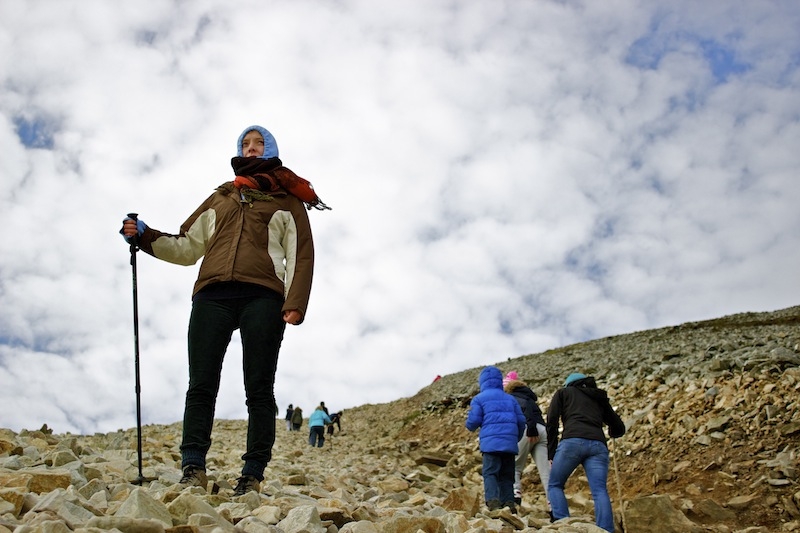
(269, 175)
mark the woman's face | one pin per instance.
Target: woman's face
(253, 144)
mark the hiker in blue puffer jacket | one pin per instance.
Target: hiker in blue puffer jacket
(502, 426)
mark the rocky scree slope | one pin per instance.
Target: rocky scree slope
(712, 410)
(714, 425)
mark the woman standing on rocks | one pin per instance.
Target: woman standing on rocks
(583, 409)
(254, 236)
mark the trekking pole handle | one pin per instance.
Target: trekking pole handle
(135, 238)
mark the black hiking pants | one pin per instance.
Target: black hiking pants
(212, 323)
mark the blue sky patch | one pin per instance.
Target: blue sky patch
(648, 51)
(34, 133)
(722, 60)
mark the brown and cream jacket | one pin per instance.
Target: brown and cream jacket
(267, 242)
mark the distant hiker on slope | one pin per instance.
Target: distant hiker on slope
(316, 426)
(336, 418)
(297, 418)
(288, 417)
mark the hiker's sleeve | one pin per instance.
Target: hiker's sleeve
(187, 246)
(553, 419)
(475, 416)
(616, 427)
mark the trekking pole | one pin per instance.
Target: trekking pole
(619, 487)
(135, 248)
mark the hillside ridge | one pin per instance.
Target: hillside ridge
(712, 411)
(711, 408)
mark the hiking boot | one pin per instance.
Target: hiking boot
(511, 507)
(194, 476)
(493, 505)
(518, 501)
(246, 484)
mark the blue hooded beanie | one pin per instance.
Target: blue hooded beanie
(497, 414)
(270, 146)
(572, 378)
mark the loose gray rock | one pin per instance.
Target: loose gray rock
(712, 445)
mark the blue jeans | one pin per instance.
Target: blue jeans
(316, 436)
(211, 326)
(498, 477)
(593, 455)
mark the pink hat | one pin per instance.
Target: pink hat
(511, 376)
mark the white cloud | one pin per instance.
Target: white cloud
(505, 178)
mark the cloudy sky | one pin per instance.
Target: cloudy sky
(505, 177)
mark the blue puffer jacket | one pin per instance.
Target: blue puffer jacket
(497, 414)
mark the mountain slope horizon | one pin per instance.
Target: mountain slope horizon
(711, 410)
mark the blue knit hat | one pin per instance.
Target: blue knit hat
(573, 378)
(270, 146)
